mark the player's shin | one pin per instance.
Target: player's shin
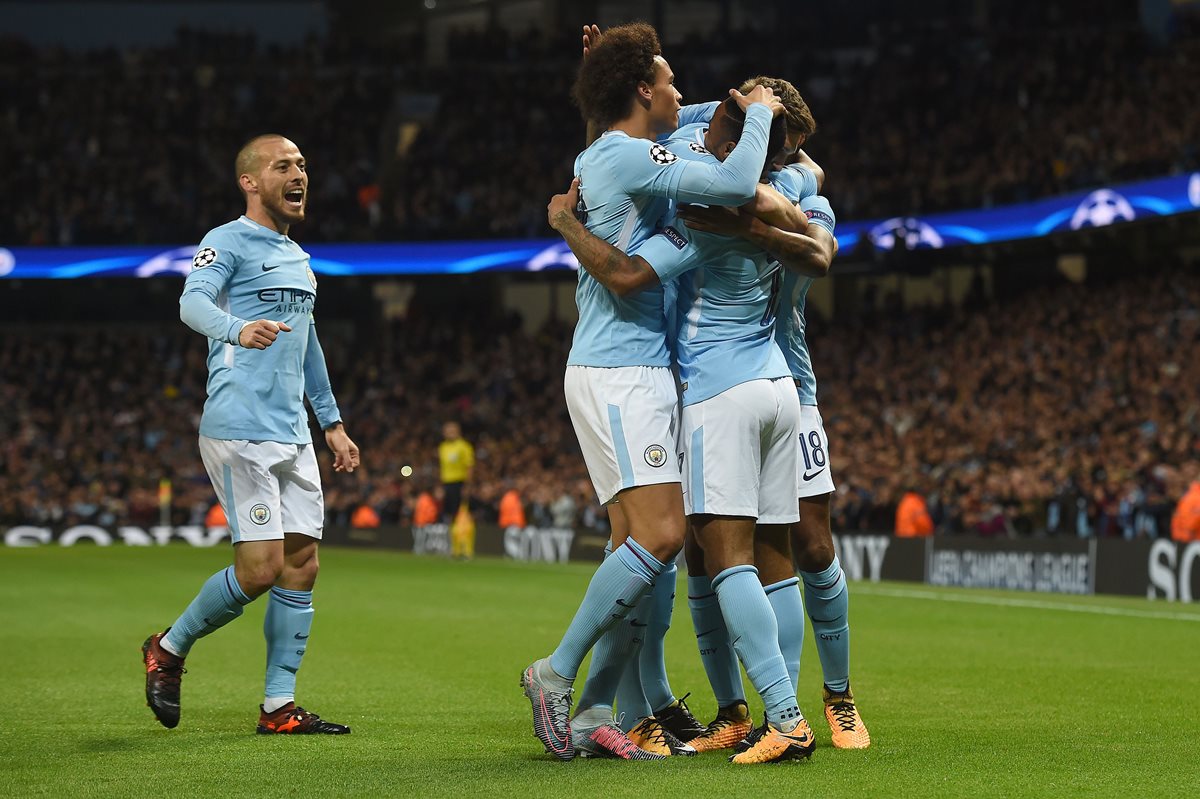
(712, 638)
(755, 634)
(785, 600)
(219, 602)
(827, 601)
(661, 600)
(286, 628)
(615, 589)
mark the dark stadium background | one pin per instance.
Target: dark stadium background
(1046, 388)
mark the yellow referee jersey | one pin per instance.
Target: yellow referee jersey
(456, 457)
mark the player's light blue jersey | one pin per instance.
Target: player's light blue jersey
(728, 292)
(789, 329)
(625, 186)
(244, 272)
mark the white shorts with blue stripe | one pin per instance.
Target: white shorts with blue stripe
(626, 419)
(265, 488)
(740, 454)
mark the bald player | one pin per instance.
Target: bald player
(251, 292)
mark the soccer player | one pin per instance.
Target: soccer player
(620, 392)
(740, 414)
(809, 543)
(252, 291)
(647, 678)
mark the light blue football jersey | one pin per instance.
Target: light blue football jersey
(728, 292)
(625, 188)
(789, 330)
(243, 272)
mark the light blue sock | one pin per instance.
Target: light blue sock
(632, 706)
(655, 685)
(616, 588)
(219, 602)
(289, 618)
(785, 600)
(827, 600)
(751, 623)
(712, 638)
(616, 649)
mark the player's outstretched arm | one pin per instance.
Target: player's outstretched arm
(613, 269)
(320, 396)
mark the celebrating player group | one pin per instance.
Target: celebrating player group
(698, 231)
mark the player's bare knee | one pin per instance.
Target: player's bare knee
(815, 555)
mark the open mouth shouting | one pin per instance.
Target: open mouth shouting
(293, 199)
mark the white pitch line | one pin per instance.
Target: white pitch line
(1023, 603)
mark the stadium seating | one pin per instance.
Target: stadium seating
(1068, 410)
(935, 117)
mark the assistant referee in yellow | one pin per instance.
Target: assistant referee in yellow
(456, 458)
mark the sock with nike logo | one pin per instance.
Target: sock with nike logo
(615, 665)
(616, 588)
(751, 622)
(219, 602)
(286, 628)
(827, 600)
(712, 638)
(784, 597)
(655, 685)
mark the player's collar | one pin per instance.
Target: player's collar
(245, 220)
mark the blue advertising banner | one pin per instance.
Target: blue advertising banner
(1098, 208)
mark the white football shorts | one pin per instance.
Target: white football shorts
(626, 419)
(739, 452)
(266, 488)
(814, 476)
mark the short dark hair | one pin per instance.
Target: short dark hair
(731, 122)
(799, 115)
(608, 78)
(249, 159)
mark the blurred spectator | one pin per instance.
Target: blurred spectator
(512, 513)
(364, 517)
(426, 511)
(912, 517)
(1185, 523)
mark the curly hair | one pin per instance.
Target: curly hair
(799, 116)
(608, 78)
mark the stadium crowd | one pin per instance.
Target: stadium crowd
(399, 148)
(1074, 411)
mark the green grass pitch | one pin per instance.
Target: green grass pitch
(965, 693)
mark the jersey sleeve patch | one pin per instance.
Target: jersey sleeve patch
(819, 215)
(204, 257)
(661, 155)
(675, 237)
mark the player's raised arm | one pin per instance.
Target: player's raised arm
(728, 182)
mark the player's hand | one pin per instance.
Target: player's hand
(759, 94)
(721, 220)
(562, 206)
(345, 451)
(591, 37)
(261, 334)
